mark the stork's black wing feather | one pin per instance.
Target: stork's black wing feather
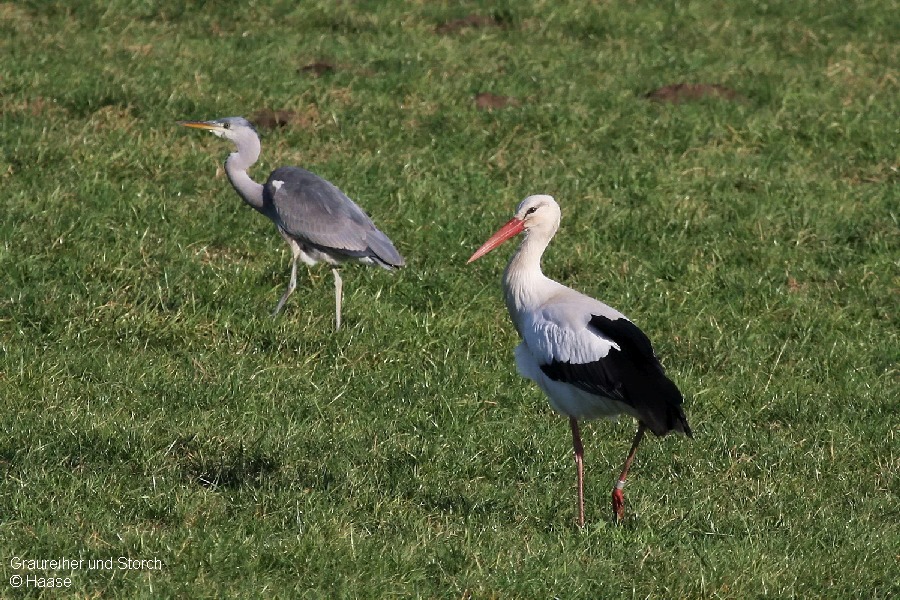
(593, 377)
(632, 374)
(629, 337)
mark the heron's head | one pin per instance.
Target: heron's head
(539, 213)
(231, 128)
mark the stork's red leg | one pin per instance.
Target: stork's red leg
(579, 465)
(618, 495)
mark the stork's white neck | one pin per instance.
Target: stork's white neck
(525, 286)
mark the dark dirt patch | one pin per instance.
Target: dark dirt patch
(468, 22)
(318, 69)
(489, 101)
(267, 118)
(689, 92)
(794, 286)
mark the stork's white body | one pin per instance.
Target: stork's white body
(587, 357)
(557, 330)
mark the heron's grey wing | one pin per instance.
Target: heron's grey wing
(312, 209)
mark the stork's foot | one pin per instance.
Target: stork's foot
(618, 505)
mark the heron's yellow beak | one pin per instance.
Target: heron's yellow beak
(208, 125)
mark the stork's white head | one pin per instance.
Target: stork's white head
(537, 214)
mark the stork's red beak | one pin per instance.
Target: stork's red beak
(512, 228)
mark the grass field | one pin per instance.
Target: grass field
(152, 409)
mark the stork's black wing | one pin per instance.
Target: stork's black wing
(632, 374)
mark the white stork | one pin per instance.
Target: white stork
(587, 357)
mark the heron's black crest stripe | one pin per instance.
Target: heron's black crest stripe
(631, 375)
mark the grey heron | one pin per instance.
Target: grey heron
(316, 219)
(588, 358)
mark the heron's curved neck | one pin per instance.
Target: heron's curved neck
(524, 284)
(236, 166)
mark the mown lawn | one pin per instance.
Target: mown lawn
(152, 409)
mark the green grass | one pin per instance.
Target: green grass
(151, 408)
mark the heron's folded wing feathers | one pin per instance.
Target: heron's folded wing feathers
(314, 210)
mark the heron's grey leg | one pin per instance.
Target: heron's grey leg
(292, 284)
(338, 298)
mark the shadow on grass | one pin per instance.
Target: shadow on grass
(228, 467)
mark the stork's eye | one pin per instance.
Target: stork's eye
(531, 210)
